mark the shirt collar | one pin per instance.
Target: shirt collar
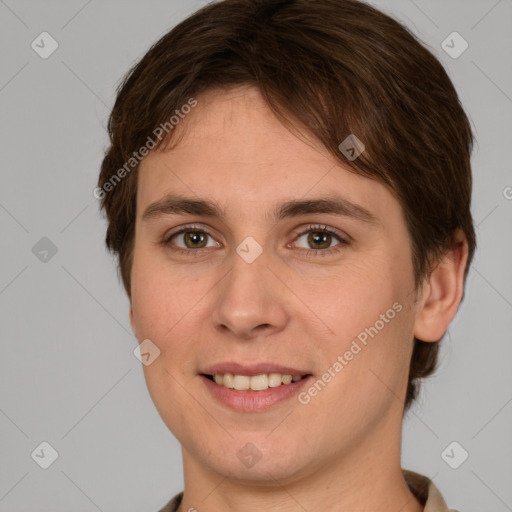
(426, 492)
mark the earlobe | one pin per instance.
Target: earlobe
(443, 292)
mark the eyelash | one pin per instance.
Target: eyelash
(309, 252)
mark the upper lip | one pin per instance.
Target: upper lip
(252, 369)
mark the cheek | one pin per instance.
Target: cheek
(163, 309)
(373, 375)
(161, 297)
(166, 306)
(351, 297)
(367, 307)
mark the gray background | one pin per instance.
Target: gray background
(68, 375)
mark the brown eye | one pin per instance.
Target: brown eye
(319, 239)
(195, 239)
(190, 239)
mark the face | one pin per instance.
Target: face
(254, 284)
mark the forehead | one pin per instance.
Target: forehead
(236, 127)
(232, 149)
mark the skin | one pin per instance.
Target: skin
(341, 451)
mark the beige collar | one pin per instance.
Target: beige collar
(426, 492)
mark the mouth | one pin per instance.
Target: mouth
(254, 388)
(260, 382)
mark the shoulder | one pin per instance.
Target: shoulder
(426, 491)
(173, 505)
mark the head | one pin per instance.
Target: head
(247, 105)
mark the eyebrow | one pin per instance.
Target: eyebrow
(335, 205)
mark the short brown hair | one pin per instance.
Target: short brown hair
(335, 68)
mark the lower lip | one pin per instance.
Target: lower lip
(254, 401)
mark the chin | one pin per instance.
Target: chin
(263, 472)
(257, 458)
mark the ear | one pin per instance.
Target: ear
(442, 292)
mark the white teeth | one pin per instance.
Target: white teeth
(255, 382)
(242, 382)
(286, 379)
(274, 380)
(259, 382)
(228, 381)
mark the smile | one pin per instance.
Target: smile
(255, 382)
(254, 387)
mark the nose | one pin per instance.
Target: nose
(250, 300)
